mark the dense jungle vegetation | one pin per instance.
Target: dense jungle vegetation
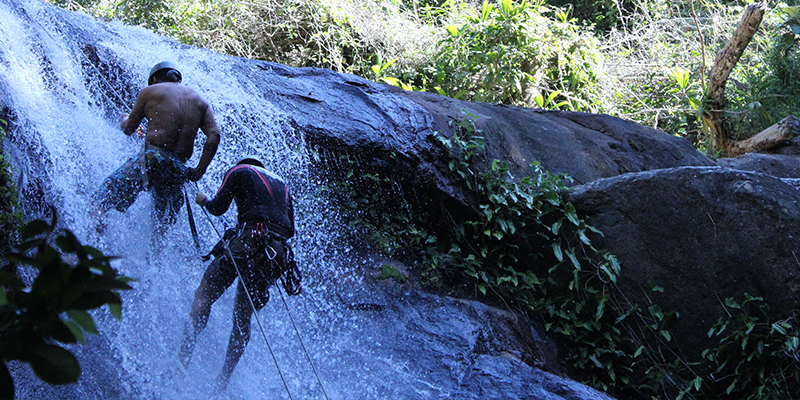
(642, 60)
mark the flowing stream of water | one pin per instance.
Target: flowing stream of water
(65, 139)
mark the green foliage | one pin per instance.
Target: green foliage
(757, 357)
(511, 53)
(603, 14)
(528, 53)
(766, 88)
(71, 280)
(10, 212)
(390, 272)
(533, 250)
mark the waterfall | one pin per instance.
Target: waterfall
(65, 80)
(65, 139)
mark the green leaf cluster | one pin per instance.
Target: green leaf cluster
(71, 279)
(514, 52)
(10, 212)
(758, 357)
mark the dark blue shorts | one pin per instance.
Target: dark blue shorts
(164, 177)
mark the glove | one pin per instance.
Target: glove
(194, 174)
(201, 199)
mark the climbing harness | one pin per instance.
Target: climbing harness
(259, 233)
(224, 242)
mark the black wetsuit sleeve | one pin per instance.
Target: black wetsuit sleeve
(222, 200)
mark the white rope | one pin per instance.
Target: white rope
(249, 297)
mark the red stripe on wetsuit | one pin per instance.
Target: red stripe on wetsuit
(260, 175)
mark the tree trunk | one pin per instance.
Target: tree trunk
(721, 70)
(770, 138)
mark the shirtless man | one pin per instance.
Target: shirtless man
(174, 113)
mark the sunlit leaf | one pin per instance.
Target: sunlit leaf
(76, 331)
(84, 320)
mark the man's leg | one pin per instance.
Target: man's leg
(216, 279)
(240, 336)
(167, 202)
(119, 190)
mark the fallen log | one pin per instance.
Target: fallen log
(775, 136)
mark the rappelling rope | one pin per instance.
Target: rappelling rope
(192, 226)
(249, 297)
(285, 305)
(301, 342)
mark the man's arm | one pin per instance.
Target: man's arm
(130, 122)
(211, 130)
(222, 200)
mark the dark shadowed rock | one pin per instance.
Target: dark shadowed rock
(392, 132)
(469, 350)
(777, 165)
(703, 234)
(584, 146)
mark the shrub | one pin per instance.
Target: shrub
(71, 279)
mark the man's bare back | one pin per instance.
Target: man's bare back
(174, 114)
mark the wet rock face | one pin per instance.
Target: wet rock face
(467, 349)
(702, 234)
(392, 132)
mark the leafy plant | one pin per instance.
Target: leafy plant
(71, 279)
(757, 357)
(530, 249)
(511, 53)
(10, 212)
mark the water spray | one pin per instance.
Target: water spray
(255, 312)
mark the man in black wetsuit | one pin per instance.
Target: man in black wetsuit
(260, 254)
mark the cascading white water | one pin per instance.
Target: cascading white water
(64, 129)
(65, 139)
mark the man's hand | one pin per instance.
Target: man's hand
(201, 198)
(123, 121)
(194, 174)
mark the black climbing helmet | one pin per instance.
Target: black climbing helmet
(251, 161)
(161, 66)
